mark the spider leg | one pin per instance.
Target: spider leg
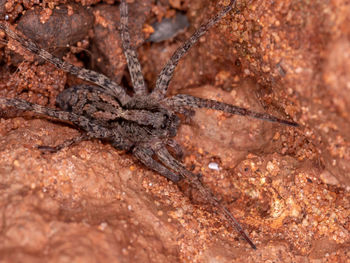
(168, 160)
(94, 129)
(130, 54)
(85, 74)
(28, 106)
(175, 146)
(67, 143)
(145, 156)
(182, 100)
(167, 72)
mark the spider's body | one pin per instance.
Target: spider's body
(143, 124)
(92, 102)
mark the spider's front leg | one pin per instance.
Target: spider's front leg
(130, 53)
(145, 155)
(176, 148)
(168, 160)
(65, 144)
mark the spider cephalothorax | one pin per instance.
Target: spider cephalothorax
(143, 124)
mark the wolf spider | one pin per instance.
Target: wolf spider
(143, 124)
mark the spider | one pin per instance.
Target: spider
(143, 124)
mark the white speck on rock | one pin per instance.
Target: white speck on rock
(102, 226)
(214, 166)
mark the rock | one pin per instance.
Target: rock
(58, 28)
(288, 187)
(329, 178)
(168, 28)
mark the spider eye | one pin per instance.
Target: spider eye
(165, 121)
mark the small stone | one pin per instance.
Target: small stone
(59, 29)
(214, 166)
(102, 226)
(169, 28)
(328, 178)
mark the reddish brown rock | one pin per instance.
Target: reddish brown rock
(289, 187)
(63, 26)
(108, 55)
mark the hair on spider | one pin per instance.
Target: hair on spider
(143, 124)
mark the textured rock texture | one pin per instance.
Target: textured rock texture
(290, 188)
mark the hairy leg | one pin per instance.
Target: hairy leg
(176, 147)
(130, 54)
(85, 74)
(146, 157)
(27, 106)
(169, 161)
(182, 100)
(67, 143)
(167, 72)
(93, 128)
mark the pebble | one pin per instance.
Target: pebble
(214, 166)
(328, 178)
(169, 28)
(60, 29)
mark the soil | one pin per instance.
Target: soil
(289, 187)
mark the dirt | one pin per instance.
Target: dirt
(289, 187)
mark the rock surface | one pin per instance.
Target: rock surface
(290, 188)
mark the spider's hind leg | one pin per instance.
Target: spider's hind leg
(67, 143)
(130, 54)
(168, 160)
